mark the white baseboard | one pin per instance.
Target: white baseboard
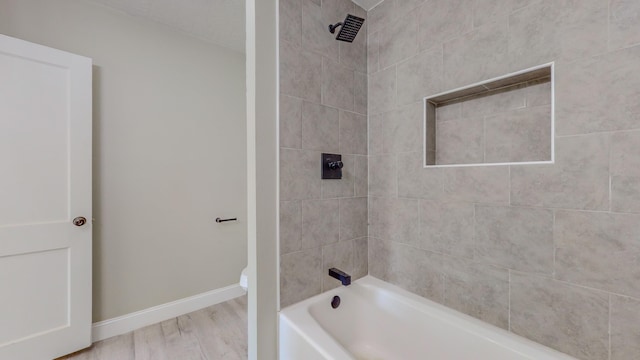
(126, 323)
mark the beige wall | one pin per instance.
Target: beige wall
(323, 106)
(169, 151)
(549, 252)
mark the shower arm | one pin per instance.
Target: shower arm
(332, 28)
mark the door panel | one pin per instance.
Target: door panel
(45, 159)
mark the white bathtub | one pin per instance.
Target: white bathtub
(377, 320)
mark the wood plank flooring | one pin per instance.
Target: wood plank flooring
(216, 332)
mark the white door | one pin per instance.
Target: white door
(45, 183)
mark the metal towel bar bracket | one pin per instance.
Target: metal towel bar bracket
(218, 220)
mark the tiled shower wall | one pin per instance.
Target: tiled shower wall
(323, 108)
(549, 252)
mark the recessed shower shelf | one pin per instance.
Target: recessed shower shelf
(501, 121)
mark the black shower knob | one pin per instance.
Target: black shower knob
(334, 165)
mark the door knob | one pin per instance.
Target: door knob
(79, 221)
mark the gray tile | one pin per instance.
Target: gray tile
(337, 85)
(353, 133)
(360, 258)
(567, 318)
(625, 333)
(338, 255)
(300, 72)
(478, 290)
(290, 226)
(299, 174)
(598, 94)
(360, 93)
(460, 141)
(579, 179)
(399, 41)
(345, 187)
(625, 194)
(515, 238)
(518, 136)
(538, 94)
(443, 20)
(320, 223)
(382, 91)
(449, 112)
(487, 46)
(415, 181)
(486, 184)
(624, 16)
(373, 52)
(551, 30)
(415, 270)
(447, 227)
(402, 129)
(354, 55)
(376, 134)
(496, 102)
(300, 276)
(315, 36)
(382, 175)
(599, 250)
(406, 7)
(361, 176)
(487, 11)
(291, 21)
(420, 76)
(320, 127)
(381, 16)
(625, 147)
(353, 218)
(336, 10)
(290, 122)
(394, 219)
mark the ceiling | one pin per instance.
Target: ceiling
(217, 21)
(220, 22)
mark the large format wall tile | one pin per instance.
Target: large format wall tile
(599, 94)
(373, 51)
(395, 219)
(353, 133)
(625, 194)
(485, 184)
(300, 72)
(382, 175)
(399, 41)
(487, 11)
(624, 16)
(571, 319)
(486, 45)
(300, 276)
(382, 91)
(315, 36)
(337, 85)
(361, 175)
(299, 174)
(551, 30)
(320, 126)
(625, 333)
(497, 102)
(415, 181)
(290, 122)
(360, 258)
(290, 226)
(599, 250)
(291, 21)
(447, 227)
(519, 136)
(420, 76)
(320, 223)
(478, 290)
(578, 180)
(625, 147)
(515, 238)
(402, 129)
(353, 218)
(443, 20)
(360, 93)
(460, 141)
(412, 269)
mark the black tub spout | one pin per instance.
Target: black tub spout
(340, 275)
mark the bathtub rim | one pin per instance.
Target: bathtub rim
(299, 317)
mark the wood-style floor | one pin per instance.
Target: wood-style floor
(216, 332)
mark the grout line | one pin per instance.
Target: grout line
(509, 305)
(609, 345)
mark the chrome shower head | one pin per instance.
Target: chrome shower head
(350, 27)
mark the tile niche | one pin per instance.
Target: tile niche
(504, 120)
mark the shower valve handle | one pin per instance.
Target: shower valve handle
(334, 165)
